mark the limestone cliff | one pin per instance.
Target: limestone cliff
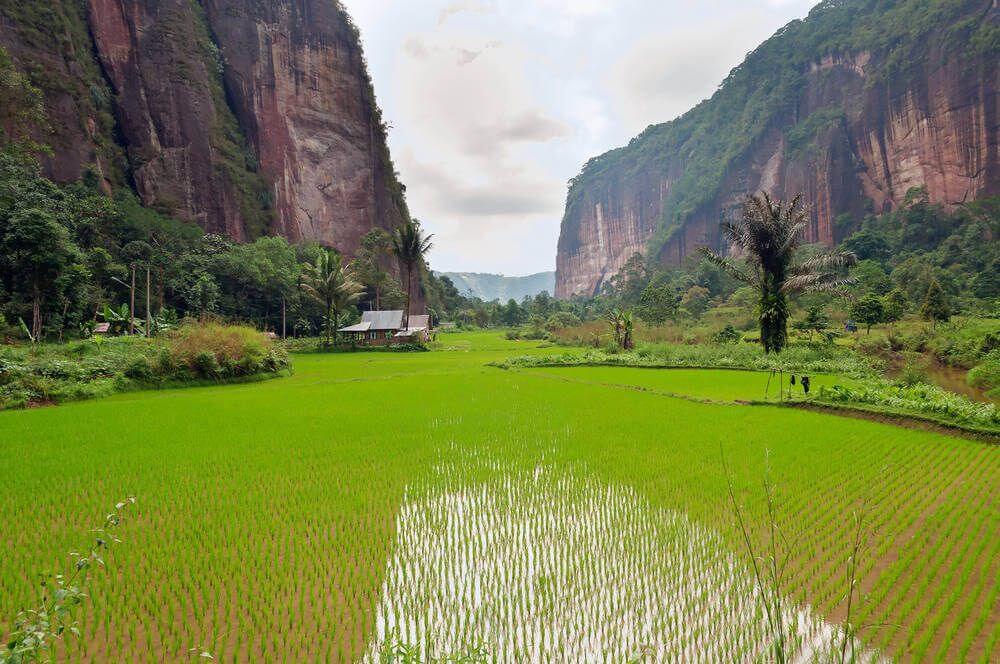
(297, 78)
(816, 110)
(246, 117)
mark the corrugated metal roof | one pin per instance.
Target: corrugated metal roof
(360, 327)
(423, 321)
(409, 332)
(383, 320)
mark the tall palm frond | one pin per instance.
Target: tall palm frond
(333, 285)
(767, 235)
(410, 245)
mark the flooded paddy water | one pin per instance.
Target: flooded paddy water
(544, 565)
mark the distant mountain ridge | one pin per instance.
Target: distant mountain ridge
(489, 287)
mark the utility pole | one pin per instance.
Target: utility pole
(131, 307)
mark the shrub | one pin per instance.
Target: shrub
(987, 374)
(204, 364)
(213, 350)
(921, 400)
(807, 359)
(727, 335)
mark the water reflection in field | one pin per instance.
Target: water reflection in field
(546, 566)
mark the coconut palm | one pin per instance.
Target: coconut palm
(331, 283)
(768, 234)
(410, 245)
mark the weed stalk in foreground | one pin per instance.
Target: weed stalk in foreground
(36, 629)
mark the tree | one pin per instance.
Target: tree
(512, 314)
(695, 301)
(36, 249)
(935, 306)
(410, 245)
(657, 304)
(868, 310)
(628, 283)
(815, 322)
(561, 320)
(769, 233)
(202, 295)
(622, 325)
(332, 284)
(895, 305)
(376, 246)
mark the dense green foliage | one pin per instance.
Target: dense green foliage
(802, 359)
(299, 517)
(56, 373)
(766, 87)
(919, 400)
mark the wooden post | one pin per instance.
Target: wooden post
(131, 307)
(149, 316)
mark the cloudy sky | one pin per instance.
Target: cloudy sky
(495, 104)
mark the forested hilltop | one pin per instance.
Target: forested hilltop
(854, 106)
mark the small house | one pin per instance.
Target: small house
(384, 328)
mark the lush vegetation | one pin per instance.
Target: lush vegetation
(263, 534)
(192, 353)
(919, 400)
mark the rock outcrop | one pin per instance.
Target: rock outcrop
(856, 133)
(299, 85)
(248, 118)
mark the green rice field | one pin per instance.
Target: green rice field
(417, 506)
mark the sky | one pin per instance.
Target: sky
(493, 105)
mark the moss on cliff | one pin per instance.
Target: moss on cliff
(56, 31)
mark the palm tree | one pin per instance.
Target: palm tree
(622, 324)
(769, 234)
(409, 244)
(332, 284)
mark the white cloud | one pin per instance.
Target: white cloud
(664, 75)
(496, 104)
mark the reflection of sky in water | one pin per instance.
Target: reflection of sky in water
(549, 567)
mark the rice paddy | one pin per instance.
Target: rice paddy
(434, 504)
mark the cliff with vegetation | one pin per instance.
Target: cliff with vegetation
(247, 118)
(853, 107)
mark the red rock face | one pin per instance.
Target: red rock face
(939, 130)
(154, 54)
(243, 116)
(296, 75)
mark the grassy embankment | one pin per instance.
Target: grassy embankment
(193, 354)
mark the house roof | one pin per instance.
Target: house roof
(410, 331)
(359, 327)
(382, 320)
(422, 321)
